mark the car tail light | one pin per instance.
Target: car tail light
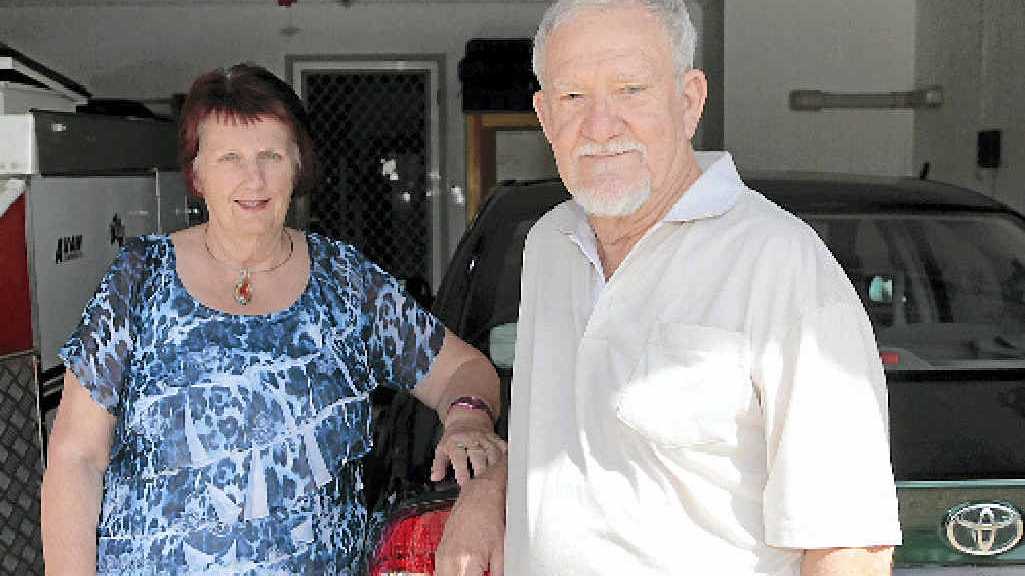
(890, 358)
(408, 544)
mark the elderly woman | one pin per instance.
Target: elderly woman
(216, 400)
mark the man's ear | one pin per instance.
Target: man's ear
(694, 92)
(539, 109)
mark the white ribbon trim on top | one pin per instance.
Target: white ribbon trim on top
(13, 189)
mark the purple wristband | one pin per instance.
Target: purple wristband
(473, 403)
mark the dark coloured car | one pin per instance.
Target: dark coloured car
(941, 273)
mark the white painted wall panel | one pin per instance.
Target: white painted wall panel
(975, 49)
(834, 45)
(1005, 83)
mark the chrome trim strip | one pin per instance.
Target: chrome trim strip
(1000, 483)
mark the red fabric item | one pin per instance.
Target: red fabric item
(15, 303)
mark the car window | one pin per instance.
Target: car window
(940, 289)
(502, 345)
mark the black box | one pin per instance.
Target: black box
(496, 74)
(989, 149)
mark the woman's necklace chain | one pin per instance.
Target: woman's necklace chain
(244, 285)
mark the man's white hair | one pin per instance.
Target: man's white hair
(673, 14)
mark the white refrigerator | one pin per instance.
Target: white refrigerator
(73, 187)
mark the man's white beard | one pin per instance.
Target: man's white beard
(617, 203)
(599, 201)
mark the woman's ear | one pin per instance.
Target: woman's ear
(297, 169)
(196, 181)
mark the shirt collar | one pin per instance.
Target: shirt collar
(581, 233)
(712, 194)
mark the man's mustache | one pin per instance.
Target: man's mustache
(609, 148)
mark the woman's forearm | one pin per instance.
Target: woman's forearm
(475, 378)
(70, 510)
(79, 453)
(459, 370)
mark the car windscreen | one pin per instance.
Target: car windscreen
(943, 290)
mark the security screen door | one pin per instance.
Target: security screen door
(375, 126)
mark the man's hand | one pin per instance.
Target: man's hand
(474, 537)
(468, 442)
(874, 561)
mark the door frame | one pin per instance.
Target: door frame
(297, 66)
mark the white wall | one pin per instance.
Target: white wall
(153, 51)
(772, 47)
(975, 49)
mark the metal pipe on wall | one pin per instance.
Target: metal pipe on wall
(815, 100)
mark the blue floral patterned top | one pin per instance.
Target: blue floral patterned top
(238, 438)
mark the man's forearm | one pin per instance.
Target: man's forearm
(875, 561)
(494, 480)
(475, 531)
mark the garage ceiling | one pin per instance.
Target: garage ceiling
(71, 3)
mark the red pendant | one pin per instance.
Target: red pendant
(243, 288)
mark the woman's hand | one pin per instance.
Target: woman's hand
(468, 443)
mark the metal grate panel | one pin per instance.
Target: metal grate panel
(21, 467)
(370, 131)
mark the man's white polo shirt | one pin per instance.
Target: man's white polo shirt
(714, 408)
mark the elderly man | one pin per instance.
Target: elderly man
(697, 388)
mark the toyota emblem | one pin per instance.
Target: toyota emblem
(983, 528)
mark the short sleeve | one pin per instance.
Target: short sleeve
(100, 348)
(403, 338)
(830, 482)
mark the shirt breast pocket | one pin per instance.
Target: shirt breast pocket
(690, 388)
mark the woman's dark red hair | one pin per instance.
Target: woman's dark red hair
(244, 93)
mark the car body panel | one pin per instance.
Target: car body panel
(961, 571)
(925, 539)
